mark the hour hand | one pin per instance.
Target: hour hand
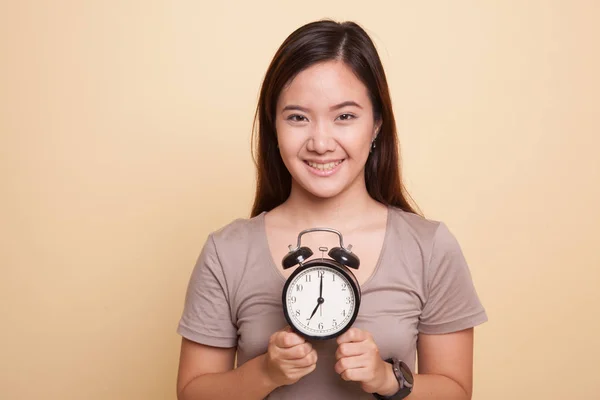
(314, 311)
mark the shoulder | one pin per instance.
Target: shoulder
(231, 247)
(413, 225)
(238, 233)
(237, 242)
(429, 235)
(228, 243)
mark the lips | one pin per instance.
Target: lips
(324, 168)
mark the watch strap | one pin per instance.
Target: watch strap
(405, 386)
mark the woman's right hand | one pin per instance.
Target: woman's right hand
(289, 357)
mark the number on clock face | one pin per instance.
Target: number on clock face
(316, 311)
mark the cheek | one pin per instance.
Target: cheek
(290, 158)
(359, 143)
(290, 140)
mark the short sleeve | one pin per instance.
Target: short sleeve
(206, 316)
(451, 302)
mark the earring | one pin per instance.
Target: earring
(372, 146)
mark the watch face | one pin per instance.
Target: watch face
(321, 301)
(406, 373)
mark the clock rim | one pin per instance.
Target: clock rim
(327, 263)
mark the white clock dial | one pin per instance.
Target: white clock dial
(320, 312)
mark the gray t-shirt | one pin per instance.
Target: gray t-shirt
(421, 283)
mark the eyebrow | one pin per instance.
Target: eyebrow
(346, 104)
(336, 107)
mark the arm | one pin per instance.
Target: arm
(445, 366)
(207, 372)
(452, 308)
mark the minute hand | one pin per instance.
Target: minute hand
(321, 287)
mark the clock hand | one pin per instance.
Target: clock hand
(314, 311)
(320, 300)
(321, 288)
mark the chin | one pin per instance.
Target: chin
(325, 194)
(323, 191)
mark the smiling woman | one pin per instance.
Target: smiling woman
(327, 155)
(348, 76)
(323, 130)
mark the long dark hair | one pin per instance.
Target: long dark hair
(312, 43)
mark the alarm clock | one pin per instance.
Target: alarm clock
(321, 298)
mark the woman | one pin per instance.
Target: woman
(328, 156)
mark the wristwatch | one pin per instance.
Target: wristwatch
(404, 377)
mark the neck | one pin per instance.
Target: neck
(347, 209)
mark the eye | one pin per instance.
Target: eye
(346, 117)
(297, 118)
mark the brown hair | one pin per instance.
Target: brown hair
(312, 43)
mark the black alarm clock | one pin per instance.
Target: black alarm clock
(321, 298)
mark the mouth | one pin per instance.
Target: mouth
(324, 168)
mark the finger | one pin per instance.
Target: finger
(306, 361)
(297, 352)
(275, 336)
(301, 371)
(291, 339)
(356, 375)
(346, 363)
(350, 349)
(352, 335)
(288, 339)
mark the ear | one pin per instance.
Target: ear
(376, 128)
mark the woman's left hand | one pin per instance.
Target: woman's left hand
(358, 359)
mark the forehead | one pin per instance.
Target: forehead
(323, 85)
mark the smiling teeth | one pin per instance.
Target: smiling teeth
(324, 167)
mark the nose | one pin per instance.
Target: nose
(320, 141)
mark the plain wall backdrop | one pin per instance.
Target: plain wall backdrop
(125, 139)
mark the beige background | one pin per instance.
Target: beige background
(125, 131)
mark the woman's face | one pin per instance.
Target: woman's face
(325, 126)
